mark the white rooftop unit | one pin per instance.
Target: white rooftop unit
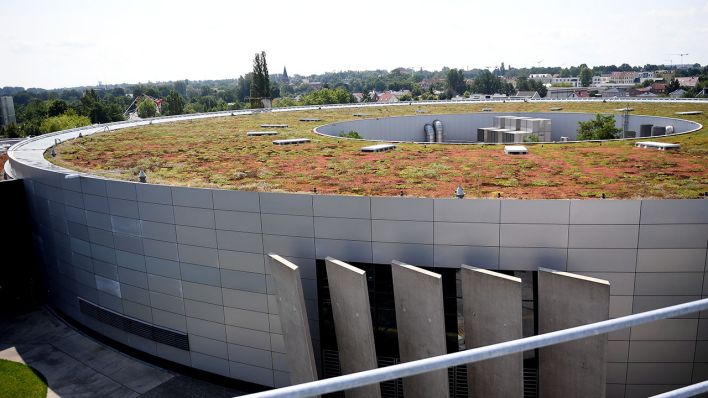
(516, 150)
(274, 126)
(661, 146)
(260, 133)
(378, 148)
(310, 119)
(292, 141)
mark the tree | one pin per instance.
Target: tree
(175, 104)
(12, 131)
(585, 77)
(260, 85)
(147, 108)
(487, 83)
(68, 120)
(455, 82)
(673, 86)
(600, 128)
(181, 87)
(57, 107)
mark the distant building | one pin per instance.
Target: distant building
(688, 81)
(570, 81)
(387, 97)
(358, 96)
(7, 111)
(677, 93)
(528, 94)
(544, 78)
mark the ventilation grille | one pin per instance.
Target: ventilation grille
(134, 326)
(530, 382)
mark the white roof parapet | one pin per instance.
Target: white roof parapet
(515, 150)
(662, 146)
(292, 141)
(378, 148)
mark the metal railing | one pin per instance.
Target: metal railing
(420, 366)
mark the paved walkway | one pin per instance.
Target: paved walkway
(77, 366)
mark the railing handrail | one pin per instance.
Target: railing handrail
(412, 368)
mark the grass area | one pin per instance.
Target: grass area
(217, 153)
(20, 381)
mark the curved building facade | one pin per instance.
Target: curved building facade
(180, 273)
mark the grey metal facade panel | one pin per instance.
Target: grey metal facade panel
(194, 217)
(205, 311)
(198, 255)
(167, 303)
(602, 260)
(98, 236)
(236, 200)
(159, 231)
(607, 212)
(212, 330)
(169, 320)
(530, 259)
(253, 374)
(667, 329)
(238, 221)
(533, 235)
(345, 250)
(454, 256)
(245, 300)
(342, 228)
(196, 236)
(250, 356)
(96, 203)
(292, 204)
(94, 186)
(202, 292)
(135, 294)
(239, 241)
(124, 208)
(240, 280)
(289, 246)
(404, 209)
(161, 194)
(469, 234)
(130, 260)
(246, 319)
(535, 211)
(128, 243)
(686, 211)
(98, 220)
(673, 236)
(341, 206)
(659, 373)
(661, 284)
(414, 254)
(124, 225)
(160, 249)
(200, 274)
(121, 190)
(138, 311)
(192, 197)
(248, 337)
(156, 212)
(402, 231)
(603, 236)
(671, 260)
(647, 303)
(210, 363)
(283, 224)
(166, 285)
(468, 211)
(241, 261)
(621, 283)
(132, 277)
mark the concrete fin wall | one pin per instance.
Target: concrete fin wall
(352, 323)
(492, 313)
(576, 368)
(421, 326)
(293, 320)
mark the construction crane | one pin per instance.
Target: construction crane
(680, 55)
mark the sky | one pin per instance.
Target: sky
(53, 44)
